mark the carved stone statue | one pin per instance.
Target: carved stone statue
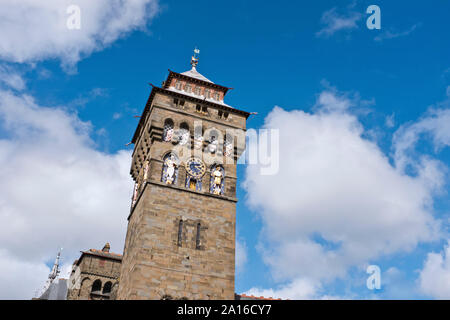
(170, 170)
(217, 180)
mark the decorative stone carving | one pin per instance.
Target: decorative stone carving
(170, 169)
(217, 179)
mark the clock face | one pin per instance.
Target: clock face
(196, 168)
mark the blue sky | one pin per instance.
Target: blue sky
(272, 55)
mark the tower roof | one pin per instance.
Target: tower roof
(193, 73)
(193, 76)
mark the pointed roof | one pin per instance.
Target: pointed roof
(98, 253)
(193, 73)
(193, 76)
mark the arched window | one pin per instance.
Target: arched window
(170, 169)
(85, 284)
(107, 287)
(213, 139)
(228, 145)
(168, 130)
(96, 286)
(198, 137)
(184, 134)
(217, 180)
(180, 232)
(197, 239)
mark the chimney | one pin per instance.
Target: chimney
(106, 247)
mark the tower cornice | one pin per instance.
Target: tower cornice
(174, 94)
(176, 75)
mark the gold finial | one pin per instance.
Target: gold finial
(194, 59)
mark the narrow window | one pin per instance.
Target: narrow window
(188, 88)
(180, 232)
(168, 130)
(197, 90)
(107, 288)
(178, 85)
(184, 134)
(220, 113)
(175, 101)
(213, 141)
(228, 145)
(207, 93)
(198, 108)
(181, 102)
(96, 286)
(197, 240)
(198, 137)
(204, 109)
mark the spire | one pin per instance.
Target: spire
(55, 270)
(54, 273)
(194, 59)
(193, 73)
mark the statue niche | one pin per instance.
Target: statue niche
(170, 169)
(217, 180)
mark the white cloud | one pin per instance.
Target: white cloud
(19, 279)
(390, 121)
(36, 30)
(392, 34)
(117, 115)
(334, 21)
(11, 78)
(241, 255)
(337, 202)
(434, 126)
(299, 289)
(434, 279)
(56, 189)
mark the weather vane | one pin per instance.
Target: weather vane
(194, 59)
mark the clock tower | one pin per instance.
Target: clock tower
(180, 241)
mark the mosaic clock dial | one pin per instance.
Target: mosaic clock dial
(196, 168)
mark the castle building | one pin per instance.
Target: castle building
(94, 275)
(180, 241)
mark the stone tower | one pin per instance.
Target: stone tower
(180, 241)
